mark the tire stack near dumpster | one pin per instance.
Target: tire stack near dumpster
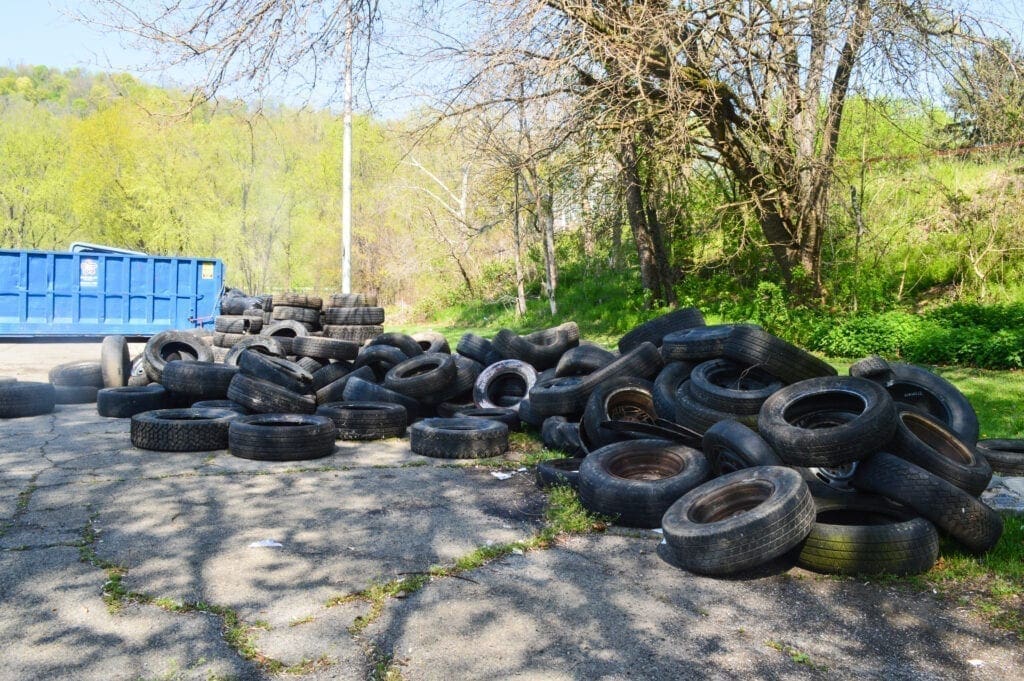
(741, 446)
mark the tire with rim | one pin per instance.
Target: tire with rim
(1006, 456)
(264, 397)
(927, 442)
(130, 400)
(754, 346)
(955, 512)
(115, 362)
(496, 380)
(182, 430)
(366, 420)
(622, 398)
(636, 481)
(458, 438)
(728, 386)
(282, 437)
(865, 535)
(655, 330)
(740, 520)
(559, 472)
(731, 446)
(168, 346)
(26, 398)
(828, 421)
(926, 392)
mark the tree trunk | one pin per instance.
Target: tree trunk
(517, 238)
(546, 223)
(647, 236)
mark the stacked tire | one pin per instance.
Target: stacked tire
(353, 317)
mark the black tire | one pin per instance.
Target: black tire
(198, 380)
(26, 398)
(431, 341)
(227, 340)
(356, 334)
(458, 438)
(221, 404)
(928, 393)
(74, 394)
(173, 345)
(1006, 456)
(656, 329)
(182, 430)
(407, 344)
(238, 324)
(264, 397)
(284, 332)
(366, 420)
(466, 372)
(115, 362)
(325, 348)
(335, 390)
(699, 417)
(282, 437)
(698, 344)
(542, 349)
(308, 363)
(283, 372)
(621, 398)
(559, 472)
(728, 386)
(359, 390)
(582, 360)
(297, 300)
(560, 435)
(475, 347)
(303, 315)
(130, 400)
(509, 377)
(77, 374)
(731, 446)
(739, 521)
(752, 345)
(350, 300)
(828, 421)
(262, 344)
(426, 378)
(665, 387)
(353, 316)
(510, 417)
(927, 442)
(380, 358)
(636, 481)
(955, 512)
(864, 535)
(329, 373)
(872, 368)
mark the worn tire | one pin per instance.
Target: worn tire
(182, 430)
(77, 374)
(366, 420)
(740, 520)
(497, 380)
(380, 358)
(864, 535)
(731, 446)
(262, 344)
(508, 416)
(173, 345)
(754, 346)
(426, 378)
(1006, 456)
(621, 398)
(238, 324)
(351, 300)
(655, 330)
(583, 359)
(458, 438)
(325, 348)
(955, 512)
(264, 397)
(282, 437)
(665, 387)
(636, 481)
(927, 442)
(74, 394)
(698, 344)
(828, 421)
(872, 367)
(356, 334)
(283, 372)
(728, 386)
(559, 472)
(353, 316)
(335, 390)
(303, 315)
(198, 380)
(297, 300)
(542, 349)
(404, 342)
(329, 373)
(115, 362)
(26, 398)
(475, 347)
(431, 341)
(130, 400)
(693, 414)
(360, 390)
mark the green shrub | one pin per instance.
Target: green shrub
(869, 334)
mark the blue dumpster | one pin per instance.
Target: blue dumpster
(99, 291)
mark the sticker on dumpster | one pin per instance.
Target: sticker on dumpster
(89, 273)
(207, 270)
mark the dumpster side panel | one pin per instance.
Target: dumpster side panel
(50, 293)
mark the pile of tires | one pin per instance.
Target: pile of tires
(353, 317)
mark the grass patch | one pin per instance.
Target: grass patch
(795, 655)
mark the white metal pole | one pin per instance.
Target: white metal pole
(346, 165)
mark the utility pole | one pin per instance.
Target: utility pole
(346, 164)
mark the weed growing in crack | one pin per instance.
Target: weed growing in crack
(795, 655)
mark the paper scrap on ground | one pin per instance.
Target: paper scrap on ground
(266, 543)
(501, 476)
